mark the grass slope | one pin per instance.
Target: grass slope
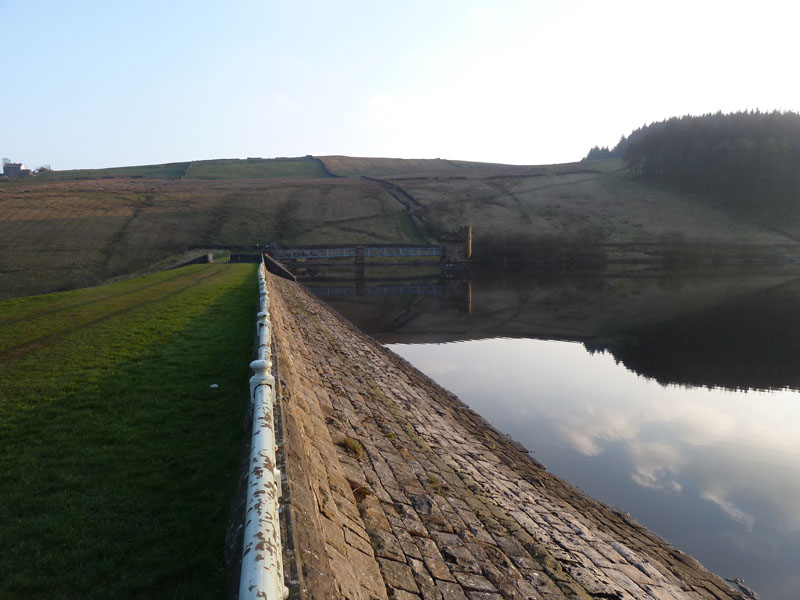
(257, 168)
(226, 168)
(165, 171)
(351, 166)
(598, 204)
(118, 461)
(57, 235)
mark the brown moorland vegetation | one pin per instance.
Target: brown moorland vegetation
(63, 235)
(594, 205)
(73, 229)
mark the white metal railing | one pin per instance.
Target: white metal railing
(291, 253)
(262, 555)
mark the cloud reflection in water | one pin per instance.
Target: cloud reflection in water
(737, 450)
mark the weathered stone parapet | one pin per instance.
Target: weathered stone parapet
(397, 490)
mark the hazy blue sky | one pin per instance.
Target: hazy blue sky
(97, 83)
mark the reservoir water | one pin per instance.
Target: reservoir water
(672, 397)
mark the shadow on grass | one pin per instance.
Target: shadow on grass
(122, 488)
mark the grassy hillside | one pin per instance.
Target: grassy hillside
(165, 171)
(56, 236)
(226, 168)
(588, 206)
(256, 168)
(351, 166)
(62, 234)
(118, 461)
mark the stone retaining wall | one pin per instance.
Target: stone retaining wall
(395, 489)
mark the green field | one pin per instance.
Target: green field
(165, 171)
(257, 168)
(118, 461)
(226, 168)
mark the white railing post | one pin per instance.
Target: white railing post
(264, 300)
(261, 377)
(264, 331)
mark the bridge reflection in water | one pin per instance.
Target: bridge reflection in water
(337, 291)
(453, 293)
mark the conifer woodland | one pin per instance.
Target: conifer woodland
(746, 162)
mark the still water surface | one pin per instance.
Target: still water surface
(673, 399)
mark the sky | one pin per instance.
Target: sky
(89, 84)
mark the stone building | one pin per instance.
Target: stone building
(458, 245)
(16, 170)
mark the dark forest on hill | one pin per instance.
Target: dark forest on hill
(748, 162)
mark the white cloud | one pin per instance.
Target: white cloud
(676, 439)
(435, 368)
(656, 464)
(729, 508)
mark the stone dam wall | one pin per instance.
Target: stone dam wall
(395, 489)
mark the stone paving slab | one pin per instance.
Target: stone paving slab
(396, 489)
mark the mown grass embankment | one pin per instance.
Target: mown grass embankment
(118, 462)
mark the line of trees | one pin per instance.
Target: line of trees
(601, 152)
(746, 161)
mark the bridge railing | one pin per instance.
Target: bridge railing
(262, 553)
(402, 251)
(387, 251)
